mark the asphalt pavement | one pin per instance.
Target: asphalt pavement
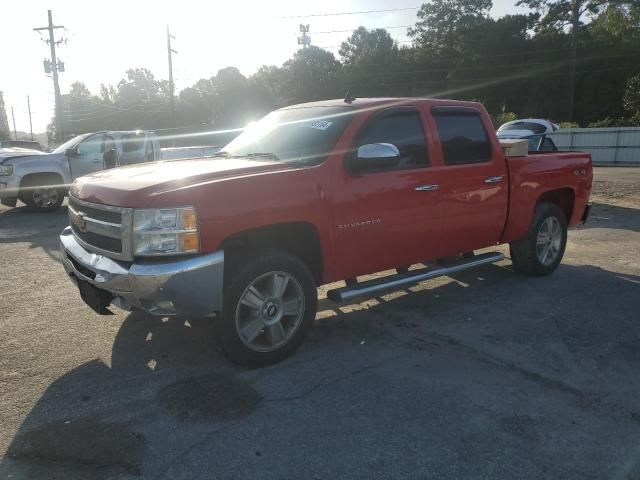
(485, 374)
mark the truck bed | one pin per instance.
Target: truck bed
(569, 174)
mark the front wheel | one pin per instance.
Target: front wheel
(541, 250)
(36, 193)
(269, 305)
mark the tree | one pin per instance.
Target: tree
(312, 74)
(5, 133)
(196, 103)
(617, 23)
(232, 104)
(631, 99)
(267, 88)
(83, 112)
(559, 14)
(440, 22)
(370, 63)
(367, 45)
(142, 101)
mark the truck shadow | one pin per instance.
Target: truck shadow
(166, 379)
(24, 224)
(605, 215)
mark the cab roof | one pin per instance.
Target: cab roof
(380, 101)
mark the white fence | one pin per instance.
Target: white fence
(608, 146)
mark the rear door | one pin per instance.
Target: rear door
(472, 179)
(88, 156)
(387, 216)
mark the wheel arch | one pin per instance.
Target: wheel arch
(53, 179)
(564, 198)
(298, 238)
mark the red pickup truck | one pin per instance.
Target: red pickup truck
(309, 195)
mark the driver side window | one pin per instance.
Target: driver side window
(91, 145)
(403, 128)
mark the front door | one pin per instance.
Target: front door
(87, 157)
(386, 215)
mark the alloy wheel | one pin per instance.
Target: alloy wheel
(269, 311)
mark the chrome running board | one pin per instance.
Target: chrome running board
(414, 276)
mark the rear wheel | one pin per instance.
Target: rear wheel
(541, 250)
(269, 306)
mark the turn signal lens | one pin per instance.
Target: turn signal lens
(189, 219)
(190, 242)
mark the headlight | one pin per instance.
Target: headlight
(165, 231)
(6, 169)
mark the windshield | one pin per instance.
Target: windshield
(299, 134)
(70, 143)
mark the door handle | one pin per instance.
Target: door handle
(426, 188)
(496, 179)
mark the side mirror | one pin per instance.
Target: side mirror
(72, 152)
(375, 156)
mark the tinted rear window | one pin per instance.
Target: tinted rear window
(132, 142)
(462, 137)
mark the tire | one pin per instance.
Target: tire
(38, 193)
(541, 250)
(270, 303)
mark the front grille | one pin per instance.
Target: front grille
(102, 215)
(100, 228)
(104, 243)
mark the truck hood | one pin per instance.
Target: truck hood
(144, 184)
(19, 154)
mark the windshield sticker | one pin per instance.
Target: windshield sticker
(320, 124)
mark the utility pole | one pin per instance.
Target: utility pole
(172, 107)
(304, 39)
(30, 123)
(54, 67)
(13, 117)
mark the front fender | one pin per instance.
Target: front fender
(57, 164)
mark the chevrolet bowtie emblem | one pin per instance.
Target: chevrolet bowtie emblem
(80, 222)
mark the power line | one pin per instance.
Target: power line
(362, 12)
(369, 29)
(338, 46)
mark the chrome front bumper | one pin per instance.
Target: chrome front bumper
(9, 186)
(188, 286)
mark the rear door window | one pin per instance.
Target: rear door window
(462, 137)
(132, 142)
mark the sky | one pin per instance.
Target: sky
(105, 39)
